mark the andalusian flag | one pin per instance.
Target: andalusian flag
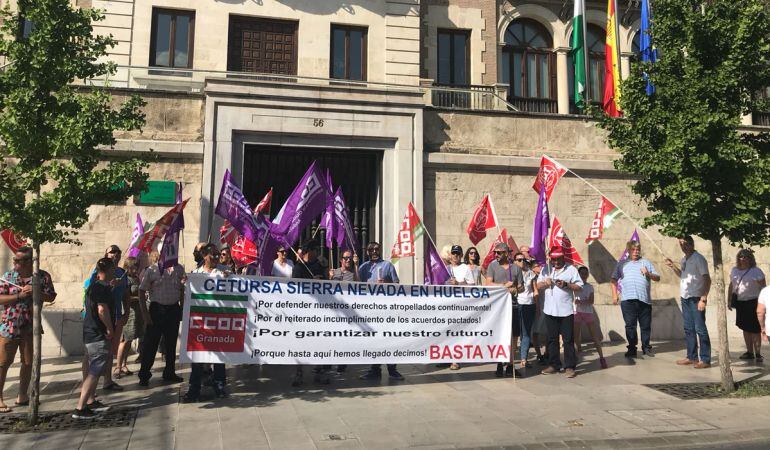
(411, 230)
(603, 218)
(611, 101)
(579, 53)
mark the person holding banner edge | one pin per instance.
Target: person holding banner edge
(377, 270)
(212, 267)
(502, 272)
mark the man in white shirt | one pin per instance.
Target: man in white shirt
(694, 289)
(559, 281)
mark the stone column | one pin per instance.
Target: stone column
(625, 65)
(747, 119)
(562, 80)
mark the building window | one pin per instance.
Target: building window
(762, 117)
(262, 45)
(529, 66)
(26, 27)
(595, 41)
(348, 53)
(171, 40)
(453, 58)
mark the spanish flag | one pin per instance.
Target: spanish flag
(611, 101)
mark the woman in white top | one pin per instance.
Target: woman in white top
(460, 272)
(472, 260)
(746, 281)
(282, 267)
(527, 306)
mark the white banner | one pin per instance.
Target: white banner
(264, 320)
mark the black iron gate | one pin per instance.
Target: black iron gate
(358, 172)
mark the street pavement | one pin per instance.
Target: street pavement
(433, 408)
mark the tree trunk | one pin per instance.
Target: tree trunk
(718, 295)
(37, 335)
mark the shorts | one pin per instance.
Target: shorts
(8, 347)
(584, 318)
(746, 316)
(98, 354)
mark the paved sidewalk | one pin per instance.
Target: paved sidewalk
(433, 408)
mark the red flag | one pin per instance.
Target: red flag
(411, 229)
(12, 240)
(602, 219)
(227, 234)
(502, 237)
(264, 206)
(549, 174)
(154, 233)
(244, 252)
(482, 220)
(560, 239)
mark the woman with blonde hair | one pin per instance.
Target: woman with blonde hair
(746, 281)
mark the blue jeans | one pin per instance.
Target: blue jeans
(636, 311)
(526, 319)
(695, 330)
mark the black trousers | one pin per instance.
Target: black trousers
(165, 323)
(635, 311)
(563, 326)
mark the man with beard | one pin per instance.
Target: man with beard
(377, 270)
(501, 272)
(559, 281)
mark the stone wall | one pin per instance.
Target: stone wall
(469, 155)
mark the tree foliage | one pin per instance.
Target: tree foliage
(699, 173)
(52, 132)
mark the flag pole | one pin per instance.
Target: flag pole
(8, 282)
(631, 219)
(586, 64)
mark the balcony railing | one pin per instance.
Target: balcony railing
(541, 105)
(193, 81)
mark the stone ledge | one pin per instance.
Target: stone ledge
(515, 164)
(181, 149)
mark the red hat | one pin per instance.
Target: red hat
(556, 252)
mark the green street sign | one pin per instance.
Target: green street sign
(158, 193)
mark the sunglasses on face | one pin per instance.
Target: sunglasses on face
(374, 250)
(472, 253)
(500, 253)
(281, 251)
(347, 257)
(224, 253)
(520, 260)
(19, 260)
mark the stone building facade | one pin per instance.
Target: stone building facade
(436, 102)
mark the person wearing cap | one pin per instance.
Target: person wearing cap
(633, 275)
(559, 281)
(501, 272)
(461, 273)
(377, 270)
(282, 266)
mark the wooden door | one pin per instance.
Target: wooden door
(262, 45)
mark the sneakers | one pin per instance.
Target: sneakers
(603, 362)
(549, 371)
(648, 351)
(371, 375)
(758, 358)
(630, 354)
(144, 383)
(395, 375)
(510, 371)
(747, 355)
(97, 406)
(84, 414)
(685, 362)
(702, 365)
(570, 372)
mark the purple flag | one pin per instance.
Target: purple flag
(435, 270)
(136, 233)
(624, 256)
(540, 229)
(346, 237)
(304, 205)
(233, 206)
(169, 251)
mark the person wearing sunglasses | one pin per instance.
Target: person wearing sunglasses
(226, 258)
(16, 320)
(282, 266)
(377, 270)
(527, 306)
(348, 269)
(501, 272)
(459, 271)
(472, 259)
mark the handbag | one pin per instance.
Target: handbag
(734, 295)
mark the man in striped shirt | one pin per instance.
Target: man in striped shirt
(631, 283)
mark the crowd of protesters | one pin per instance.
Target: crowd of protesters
(551, 305)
